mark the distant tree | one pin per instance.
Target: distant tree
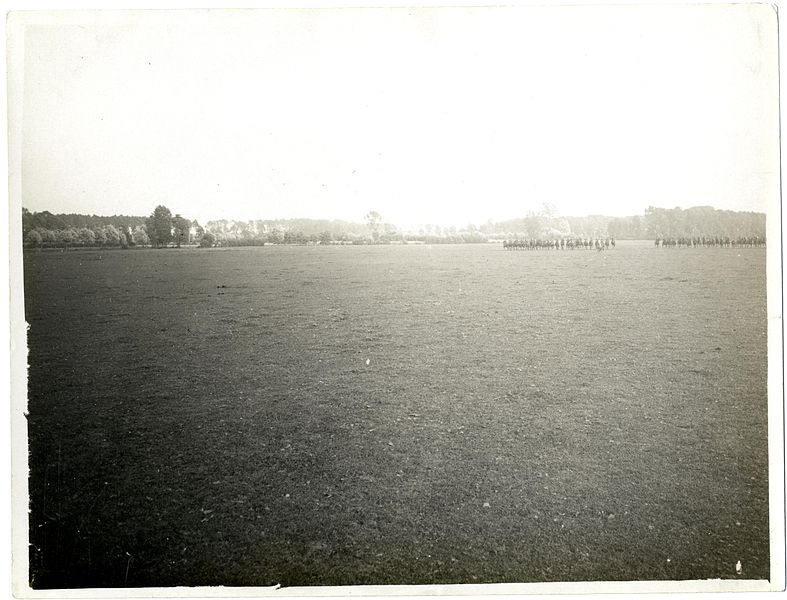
(207, 241)
(326, 237)
(67, 237)
(86, 236)
(636, 230)
(373, 220)
(180, 228)
(276, 235)
(48, 236)
(112, 235)
(139, 236)
(295, 237)
(159, 226)
(47, 220)
(28, 222)
(626, 228)
(198, 229)
(243, 230)
(389, 231)
(100, 236)
(33, 239)
(534, 223)
(123, 237)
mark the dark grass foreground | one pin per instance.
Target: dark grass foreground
(396, 415)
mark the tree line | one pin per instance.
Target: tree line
(47, 230)
(654, 224)
(702, 221)
(325, 232)
(161, 229)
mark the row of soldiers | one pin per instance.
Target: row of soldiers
(711, 242)
(560, 244)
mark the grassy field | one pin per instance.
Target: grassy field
(396, 415)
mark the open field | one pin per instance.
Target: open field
(360, 415)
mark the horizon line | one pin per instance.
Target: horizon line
(401, 223)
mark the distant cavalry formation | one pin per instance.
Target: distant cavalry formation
(608, 243)
(561, 244)
(711, 242)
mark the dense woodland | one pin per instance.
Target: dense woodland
(701, 221)
(161, 228)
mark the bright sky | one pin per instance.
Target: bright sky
(449, 115)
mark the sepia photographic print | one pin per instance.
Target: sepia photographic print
(396, 300)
